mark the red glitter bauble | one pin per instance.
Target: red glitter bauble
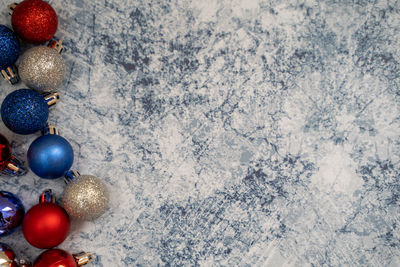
(35, 21)
(46, 225)
(55, 258)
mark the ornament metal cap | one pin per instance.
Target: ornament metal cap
(51, 98)
(57, 45)
(24, 263)
(47, 197)
(5, 259)
(14, 167)
(9, 164)
(11, 8)
(10, 74)
(83, 258)
(49, 129)
(70, 176)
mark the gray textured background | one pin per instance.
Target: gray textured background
(230, 132)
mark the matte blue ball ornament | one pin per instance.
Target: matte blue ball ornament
(12, 212)
(50, 156)
(25, 111)
(9, 53)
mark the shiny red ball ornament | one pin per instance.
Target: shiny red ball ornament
(61, 258)
(46, 225)
(35, 21)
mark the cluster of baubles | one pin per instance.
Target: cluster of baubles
(50, 156)
(49, 258)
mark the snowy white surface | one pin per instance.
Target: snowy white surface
(230, 133)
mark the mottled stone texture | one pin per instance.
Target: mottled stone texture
(230, 132)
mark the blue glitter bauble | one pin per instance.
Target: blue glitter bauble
(50, 156)
(12, 212)
(24, 111)
(9, 47)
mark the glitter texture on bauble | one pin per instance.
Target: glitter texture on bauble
(35, 21)
(86, 197)
(24, 111)
(9, 47)
(42, 68)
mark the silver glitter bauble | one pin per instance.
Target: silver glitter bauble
(42, 68)
(86, 198)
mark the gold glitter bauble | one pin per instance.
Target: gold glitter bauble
(86, 198)
(42, 68)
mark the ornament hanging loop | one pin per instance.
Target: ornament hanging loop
(57, 45)
(51, 98)
(11, 8)
(10, 74)
(83, 258)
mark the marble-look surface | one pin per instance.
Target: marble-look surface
(230, 132)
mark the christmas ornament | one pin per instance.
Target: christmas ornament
(9, 53)
(9, 164)
(61, 258)
(86, 197)
(46, 224)
(11, 212)
(25, 111)
(35, 21)
(42, 68)
(7, 256)
(50, 156)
